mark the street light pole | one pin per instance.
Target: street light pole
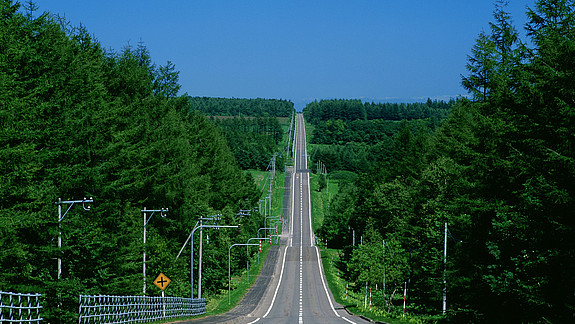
(209, 218)
(444, 269)
(146, 220)
(265, 221)
(248, 253)
(61, 217)
(276, 228)
(265, 228)
(192, 252)
(229, 267)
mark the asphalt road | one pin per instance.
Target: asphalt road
(302, 295)
(292, 286)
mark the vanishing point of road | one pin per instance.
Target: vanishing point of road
(292, 287)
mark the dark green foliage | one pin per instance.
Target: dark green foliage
(253, 140)
(242, 107)
(79, 122)
(355, 140)
(500, 171)
(350, 110)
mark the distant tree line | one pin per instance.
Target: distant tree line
(354, 135)
(354, 109)
(251, 126)
(500, 171)
(242, 107)
(253, 140)
(78, 121)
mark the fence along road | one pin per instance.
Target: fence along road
(19, 308)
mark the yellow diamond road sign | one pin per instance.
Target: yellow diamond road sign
(162, 281)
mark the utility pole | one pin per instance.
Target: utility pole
(191, 236)
(59, 203)
(229, 267)
(146, 220)
(444, 269)
(59, 237)
(200, 259)
(383, 259)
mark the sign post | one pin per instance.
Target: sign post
(162, 282)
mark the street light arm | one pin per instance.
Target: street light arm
(265, 228)
(192, 251)
(259, 238)
(212, 218)
(72, 203)
(185, 243)
(229, 266)
(161, 211)
(203, 226)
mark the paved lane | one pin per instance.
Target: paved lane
(302, 295)
(297, 291)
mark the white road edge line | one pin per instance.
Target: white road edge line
(284, 260)
(325, 287)
(291, 239)
(279, 283)
(301, 253)
(311, 235)
(317, 250)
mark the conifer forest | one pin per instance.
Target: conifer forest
(489, 177)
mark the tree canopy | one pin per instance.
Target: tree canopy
(78, 121)
(353, 135)
(500, 171)
(237, 107)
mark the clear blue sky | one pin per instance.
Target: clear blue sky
(299, 50)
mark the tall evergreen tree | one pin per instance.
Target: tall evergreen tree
(481, 67)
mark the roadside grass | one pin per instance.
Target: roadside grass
(343, 291)
(260, 177)
(218, 304)
(318, 206)
(320, 201)
(354, 302)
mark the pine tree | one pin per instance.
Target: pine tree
(481, 65)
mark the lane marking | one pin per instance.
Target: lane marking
(316, 249)
(308, 192)
(301, 252)
(285, 249)
(300, 285)
(325, 287)
(279, 283)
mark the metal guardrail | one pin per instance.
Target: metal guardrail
(137, 309)
(19, 308)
